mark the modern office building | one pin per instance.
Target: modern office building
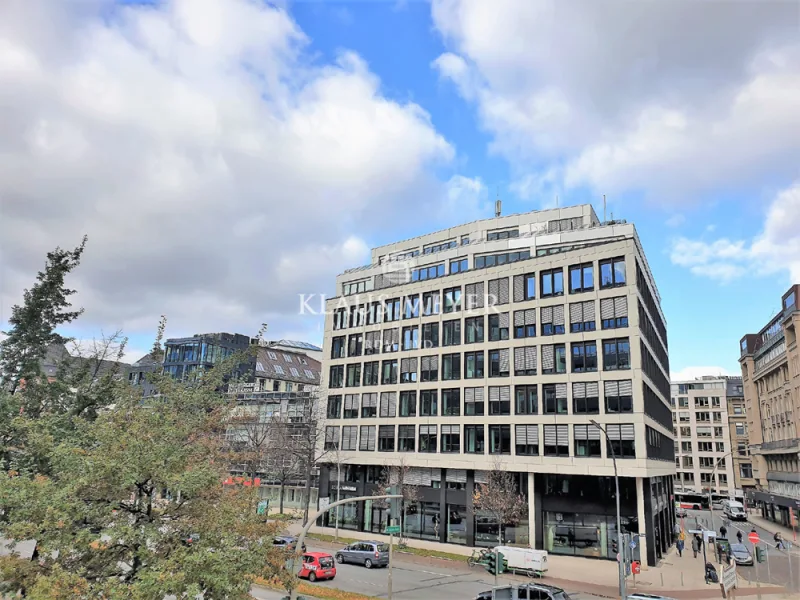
(745, 481)
(498, 343)
(770, 361)
(703, 456)
(183, 357)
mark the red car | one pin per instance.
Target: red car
(317, 565)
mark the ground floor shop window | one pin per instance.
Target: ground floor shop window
(421, 521)
(587, 535)
(348, 516)
(457, 524)
(486, 531)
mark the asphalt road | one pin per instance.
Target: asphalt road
(411, 580)
(776, 570)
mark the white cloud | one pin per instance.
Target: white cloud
(775, 249)
(218, 168)
(690, 373)
(675, 220)
(467, 199)
(622, 96)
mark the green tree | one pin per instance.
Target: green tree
(125, 494)
(33, 325)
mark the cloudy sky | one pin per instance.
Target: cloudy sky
(224, 156)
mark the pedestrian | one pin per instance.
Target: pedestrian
(739, 536)
(679, 546)
(696, 544)
(778, 540)
(723, 531)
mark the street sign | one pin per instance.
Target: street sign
(324, 503)
(392, 529)
(633, 544)
(636, 567)
(753, 537)
(262, 507)
(729, 578)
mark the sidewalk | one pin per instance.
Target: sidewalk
(768, 525)
(676, 577)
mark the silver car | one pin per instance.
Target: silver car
(369, 554)
(741, 554)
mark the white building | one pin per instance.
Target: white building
(703, 457)
(503, 339)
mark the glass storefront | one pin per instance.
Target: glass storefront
(486, 531)
(587, 535)
(348, 516)
(421, 521)
(457, 524)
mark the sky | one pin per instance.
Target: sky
(226, 156)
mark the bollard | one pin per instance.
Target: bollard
(682, 584)
(662, 580)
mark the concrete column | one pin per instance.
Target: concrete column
(531, 510)
(644, 524)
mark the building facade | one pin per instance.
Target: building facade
(496, 344)
(184, 357)
(740, 447)
(703, 450)
(770, 361)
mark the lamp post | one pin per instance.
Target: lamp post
(713, 479)
(620, 548)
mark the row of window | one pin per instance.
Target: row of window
(473, 330)
(700, 431)
(551, 283)
(473, 365)
(617, 398)
(472, 439)
(702, 402)
(701, 447)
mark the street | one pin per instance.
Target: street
(414, 577)
(777, 569)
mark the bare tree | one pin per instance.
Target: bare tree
(248, 434)
(397, 475)
(500, 498)
(283, 463)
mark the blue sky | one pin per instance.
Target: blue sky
(224, 157)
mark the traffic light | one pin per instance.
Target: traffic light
(761, 554)
(497, 560)
(614, 546)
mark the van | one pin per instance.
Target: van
(524, 560)
(734, 510)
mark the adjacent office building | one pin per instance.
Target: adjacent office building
(500, 342)
(770, 361)
(703, 457)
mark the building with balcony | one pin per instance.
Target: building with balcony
(703, 450)
(498, 343)
(185, 357)
(770, 361)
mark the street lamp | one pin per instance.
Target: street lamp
(713, 479)
(621, 549)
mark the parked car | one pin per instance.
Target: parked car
(369, 554)
(317, 565)
(528, 591)
(288, 542)
(741, 555)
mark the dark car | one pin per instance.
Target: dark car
(288, 542)
(741, 555)
(369, 554)
(528, 591)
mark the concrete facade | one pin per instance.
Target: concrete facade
(522, 361)
(770, 361)
(703, 448)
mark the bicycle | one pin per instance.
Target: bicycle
(478, 557)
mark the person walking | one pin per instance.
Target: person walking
(679, 543)
(739, 536)
(696, 544)
(778, 540)
(723, 531)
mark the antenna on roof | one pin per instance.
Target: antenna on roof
(604, 208)
(556, 200)
(498, 204)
